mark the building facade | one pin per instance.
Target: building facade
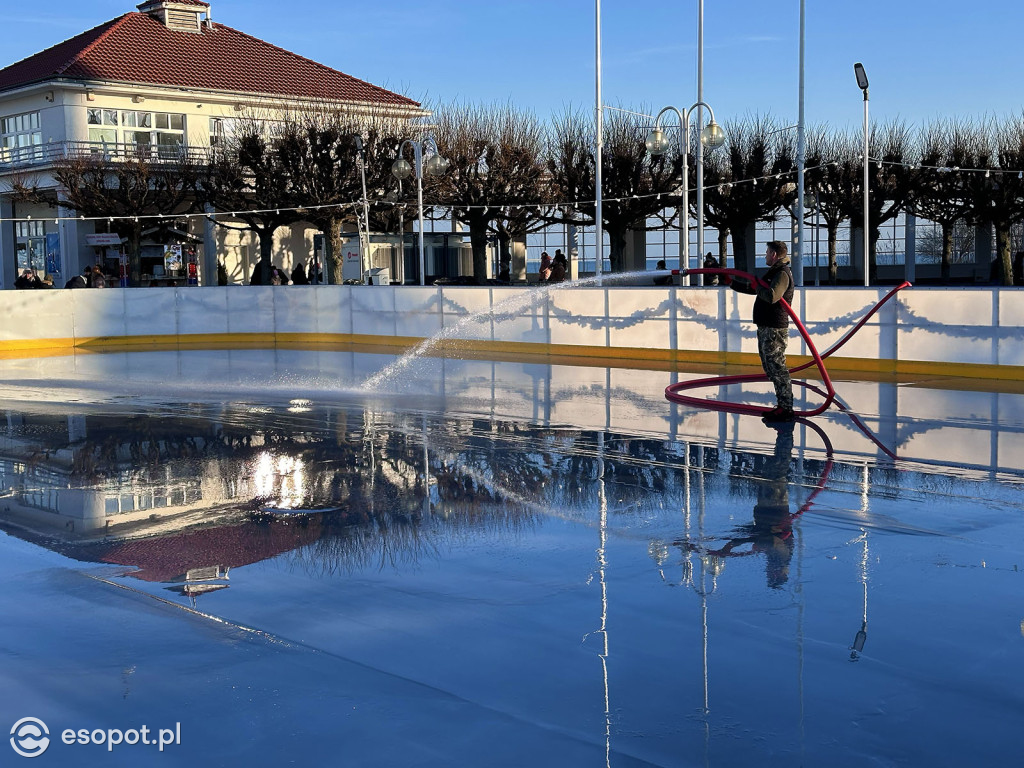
(162, 82)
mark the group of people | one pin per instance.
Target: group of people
(553, 270)
(710, 262)
(91, 277)
(279, 277)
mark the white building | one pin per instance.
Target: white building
(164, 79)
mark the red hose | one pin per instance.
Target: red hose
(673, 390)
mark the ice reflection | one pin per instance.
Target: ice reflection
(718, 578)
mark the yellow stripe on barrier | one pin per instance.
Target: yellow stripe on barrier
(513, 351)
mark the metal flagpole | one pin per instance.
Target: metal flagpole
(599, 109)
(700, 146)
(801, 159)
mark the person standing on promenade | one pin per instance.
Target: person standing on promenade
(772, 323)
(545, 267)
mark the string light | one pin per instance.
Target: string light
(555, 207)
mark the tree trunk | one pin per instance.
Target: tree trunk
(723, 247)
(739, 249)
(947, 251)
(504, 253)
(332, 248)
(135, 254)
(617, 249)
(1003, 249)
(833, 261)
(266, 236)
(478, 240)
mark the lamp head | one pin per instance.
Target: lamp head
(401, 169)
(657, 142)
(435, 166)
(862, 77)
(712, 137)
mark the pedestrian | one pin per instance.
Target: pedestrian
(710, 262)
(558, 268)
(545, 266)
(662, 279)
(299, 275)
(96, 278)
(27, 279)
(772, 323)
(79, 281)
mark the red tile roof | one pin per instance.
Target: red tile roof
(168, 558)
(136, 48)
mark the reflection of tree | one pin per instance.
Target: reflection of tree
(388, 487)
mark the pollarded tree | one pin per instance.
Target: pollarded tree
(748, 182)
(126, 188)
(249, 181)
(571, 169)
(495, 170)
(940, 192)
(891, 175)
(832, 168)
(997, 197)
(321, 150)
(636, 186)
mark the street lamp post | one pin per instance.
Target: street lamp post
(711, 137)
(434, 166)
(862, 83)
(364, 245)
(812, 202)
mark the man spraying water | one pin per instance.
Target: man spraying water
(772, 323)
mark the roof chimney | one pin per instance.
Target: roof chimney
(180, 15)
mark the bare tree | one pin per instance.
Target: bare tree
(495, 172)
(749, 182)
(251, 183)
(636, 186)
(940, 192)
(832, 169)
(893, 155)
(997, 196)
(321, 151)
(126, 189)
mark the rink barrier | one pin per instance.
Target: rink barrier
(973, 333)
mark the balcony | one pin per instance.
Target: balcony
(40, 156)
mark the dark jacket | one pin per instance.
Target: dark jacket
(768, 310)
(78, 281)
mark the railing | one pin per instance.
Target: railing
(41, 155)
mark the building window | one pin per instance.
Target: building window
(28, 229)
(222, 129)
(138, 131)
(21, 137)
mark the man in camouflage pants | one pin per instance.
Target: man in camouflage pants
(772, 323)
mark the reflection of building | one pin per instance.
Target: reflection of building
(163, 83)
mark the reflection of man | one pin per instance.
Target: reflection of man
(771, 533)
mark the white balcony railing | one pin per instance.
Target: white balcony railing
(41, 155)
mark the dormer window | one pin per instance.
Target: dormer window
(180, 15)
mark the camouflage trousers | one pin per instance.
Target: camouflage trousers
(771, 346)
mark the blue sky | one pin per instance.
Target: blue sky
(924, 58)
